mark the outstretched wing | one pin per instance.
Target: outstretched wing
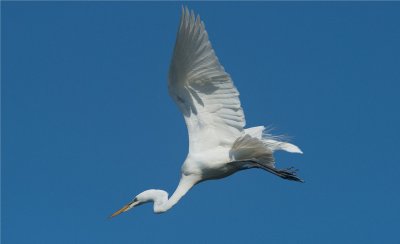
(201, 88)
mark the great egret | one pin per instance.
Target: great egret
(218, 143)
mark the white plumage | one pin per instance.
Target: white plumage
(218, 143)
(202, 89)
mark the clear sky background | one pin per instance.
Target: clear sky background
(87, 122)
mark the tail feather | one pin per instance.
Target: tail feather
(257, 147)
(256, 132)
(284, 146)
(247, 147)
(275, 143)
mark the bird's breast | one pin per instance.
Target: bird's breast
(209, 164)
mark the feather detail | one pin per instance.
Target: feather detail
(201, 88)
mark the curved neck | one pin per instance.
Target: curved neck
(185, 184)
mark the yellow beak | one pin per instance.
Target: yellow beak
(123, 209)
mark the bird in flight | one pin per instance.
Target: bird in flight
(219, 145)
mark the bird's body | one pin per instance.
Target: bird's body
(219, 145)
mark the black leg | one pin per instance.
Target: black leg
(287, 174)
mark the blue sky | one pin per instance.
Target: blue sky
(87, 122)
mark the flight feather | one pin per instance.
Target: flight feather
(203, 91)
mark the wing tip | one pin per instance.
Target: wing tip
(189, 15)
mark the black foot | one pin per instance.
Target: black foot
(288, 174)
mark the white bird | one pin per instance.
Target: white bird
(218, 143)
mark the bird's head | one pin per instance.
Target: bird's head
(159, 197)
